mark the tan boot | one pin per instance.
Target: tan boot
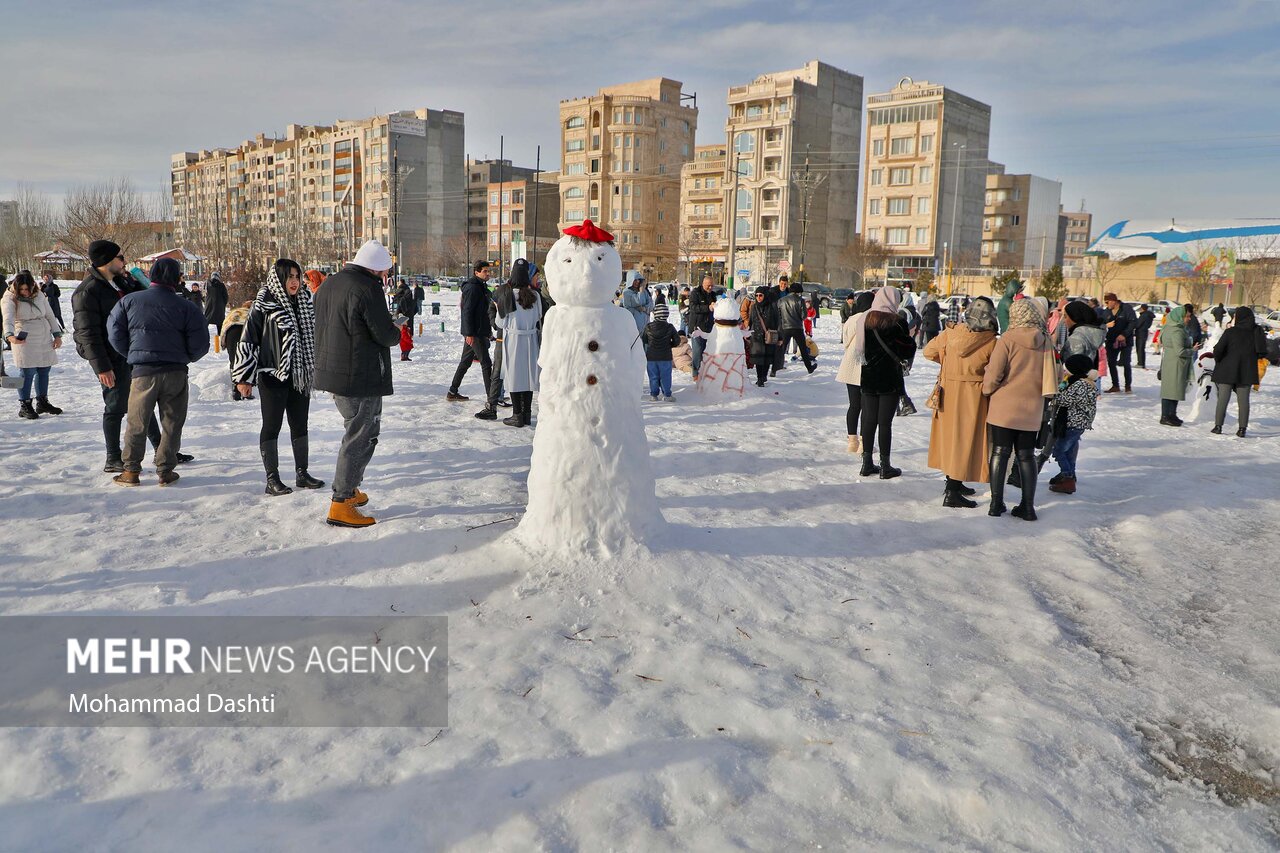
(345, 514)
(361, 498)
(855, 444)
(128, 478)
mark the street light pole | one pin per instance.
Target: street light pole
(955, 204)
(733, 221)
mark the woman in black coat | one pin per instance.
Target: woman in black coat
(763, 320)
(882, 343)
(1235, 359)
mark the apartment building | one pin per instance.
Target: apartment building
(514, 209)
(702, 214)
(1074, 235)
(1020, 222)
(480, 175)
(794, 139)
(924, 178)
(320, 191)
(622, 152)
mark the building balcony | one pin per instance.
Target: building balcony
(714, 218)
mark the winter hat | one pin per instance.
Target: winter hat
(520, 276)
(102, 252)
(167, 272)
(590, 232)
(1081, 364)
(373, 256)
(1081, 314)
(795, 288)
(762, 291)
(981, 316)
(661, 311)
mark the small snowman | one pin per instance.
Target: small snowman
(591, 486)
(723, 372)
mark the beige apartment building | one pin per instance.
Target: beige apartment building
(793, 137)
(514, 210)
(622, 152)
(924, 180)
(480, 174)
(1074, 230)
(702, 214)
(1020, 222)
(320, 191)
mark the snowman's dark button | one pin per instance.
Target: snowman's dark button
(592, 380)
(593, 345)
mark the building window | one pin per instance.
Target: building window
(744, 143)
(986, 247)
(924, 205)
(1015, 219)
(574, 192)
(742, 228)
(712, 183)
(900, 176)
(902, 145)
(896, 236)
(506, 197)
(876, 175)
(926, 143)
(746, 169)
(899, 206)
(697, 183)
(922, 236)
(873, 234)
(873, 207)
(575, 145)
(744, 199)
(576, 121)
(926, 174)
(755, 111)
(1017, 193)
(595, 166)
(877, 147)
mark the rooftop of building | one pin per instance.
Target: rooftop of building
(1134, 238)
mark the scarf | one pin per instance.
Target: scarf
(887, 299)
(296, 323)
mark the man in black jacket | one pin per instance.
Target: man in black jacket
(91, 304)
(1142, 332)
(215, 302)
(701, 304)
(476, 330)
(54, 294)
(354, 336)
(1120, 329)
(791, 311)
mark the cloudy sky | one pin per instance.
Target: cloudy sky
(1140, 108)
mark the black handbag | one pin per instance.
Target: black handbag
(903, 364)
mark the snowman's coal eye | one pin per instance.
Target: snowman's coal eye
(568, 260)
(599, 257)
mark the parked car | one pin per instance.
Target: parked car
(826, 296)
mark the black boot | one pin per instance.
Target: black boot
(1026, 510)
(270, 451)
(999, 468)
(44, 407)
(111, 435)
(869, 469)
(517, 410)
(887, 471)
(952, 497)
(528, 408)
(301, 454)
(25, 411)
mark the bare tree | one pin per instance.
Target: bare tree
(861, 255)
(111, 209)
(32, 228)
(1105, 271)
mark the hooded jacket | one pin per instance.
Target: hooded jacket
(958, 433)
(1175, 356)
(354, 334)
(215, 301)
(1235, 356)
(1011, 289)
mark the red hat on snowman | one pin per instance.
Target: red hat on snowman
(590, 232)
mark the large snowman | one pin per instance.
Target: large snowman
(723, 371)
(591, 486)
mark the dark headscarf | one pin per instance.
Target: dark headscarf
(1081, 314)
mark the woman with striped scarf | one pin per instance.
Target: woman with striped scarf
(277, 352)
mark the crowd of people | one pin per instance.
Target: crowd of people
(1018, 381)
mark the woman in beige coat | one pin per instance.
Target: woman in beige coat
(33, 331)
(958, 434)
(1015, 382)
(850, 371)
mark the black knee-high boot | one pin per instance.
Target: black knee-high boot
(1026, 510)
(528, 408)
(999, 468)
(270, 451)
(301, 460)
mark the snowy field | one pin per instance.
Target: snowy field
(806, 661)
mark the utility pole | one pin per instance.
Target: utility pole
(807, 183)
(955, 204)
(395, 200)
(501, 183)
(537, 191)
(733, 221)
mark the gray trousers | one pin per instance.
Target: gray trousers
(1242, 403)
(168, 392)
(362, 420)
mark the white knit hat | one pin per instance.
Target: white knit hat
(373, 256)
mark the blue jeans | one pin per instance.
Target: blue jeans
(1065, 451)
(696, 346)
(659, 378)
(39, 376)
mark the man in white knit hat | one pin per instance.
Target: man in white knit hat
(354, 336)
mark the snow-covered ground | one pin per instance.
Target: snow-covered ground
(807, 660)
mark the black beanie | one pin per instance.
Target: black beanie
(167, 272)
(1080, 364)
(102, 252)
(520, 274)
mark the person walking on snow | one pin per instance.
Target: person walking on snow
(1077, 406)
(519, 312)
(1236, 358)
(637, 300)
(354, 336)
(160, 333)
(406, 307)
(215, 302)
(277, 352)
(475, 330)
(659, 338)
